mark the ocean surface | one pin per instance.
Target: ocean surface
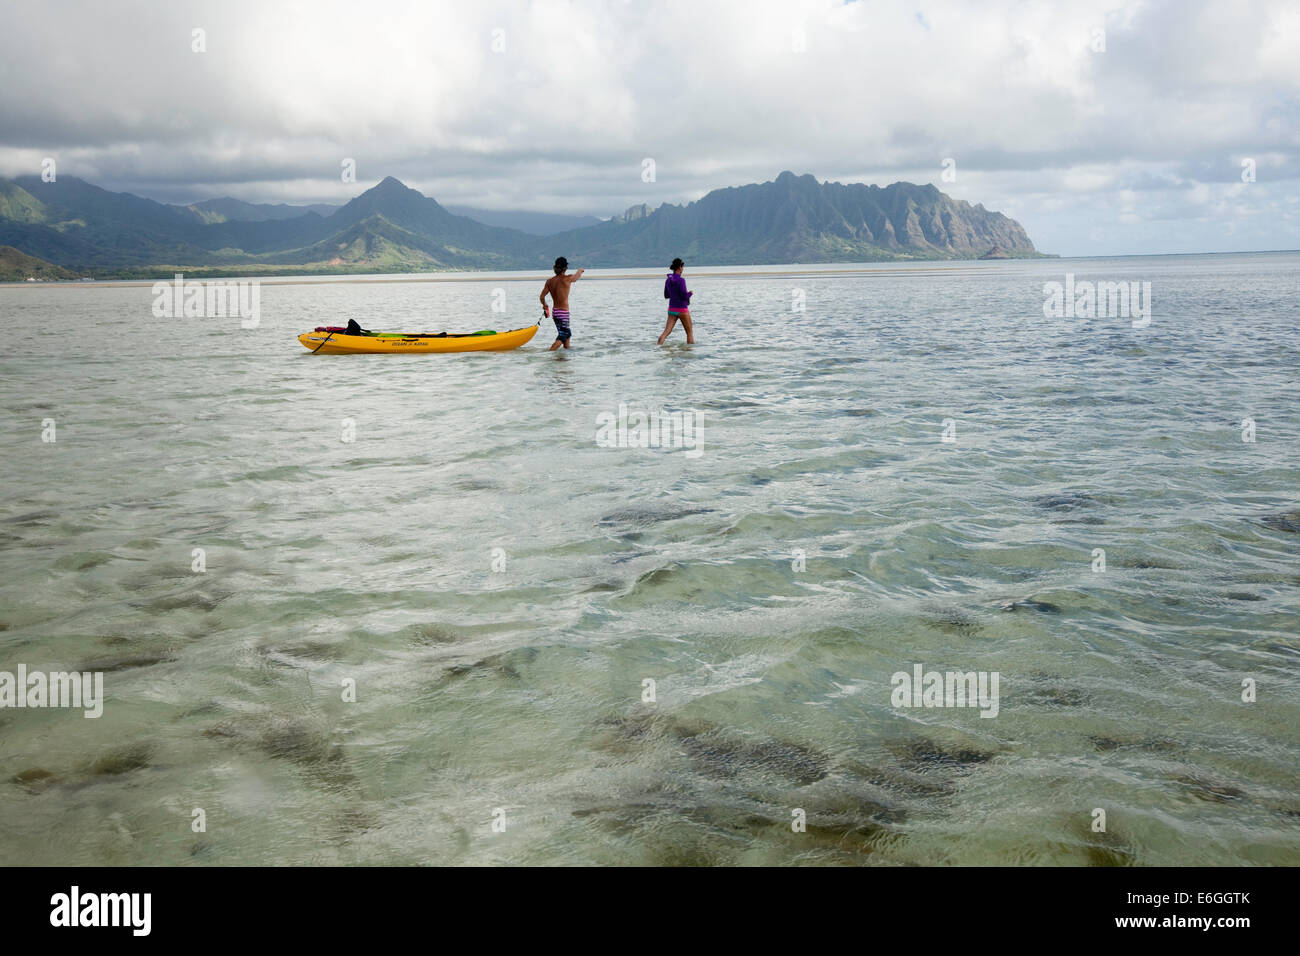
(474, 633)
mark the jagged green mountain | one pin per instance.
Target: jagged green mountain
(387, 228)
(392, 228)
(797, 219)
(396, 218)
(77, 225)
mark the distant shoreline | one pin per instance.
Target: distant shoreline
(165, 273)
(865, 269)
(417, 277)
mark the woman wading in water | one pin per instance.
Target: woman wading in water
(679, 303)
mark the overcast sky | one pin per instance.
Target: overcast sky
(554, 106)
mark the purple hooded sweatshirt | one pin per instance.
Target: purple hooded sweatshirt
(675, 292)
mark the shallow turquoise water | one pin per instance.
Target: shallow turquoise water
(518, 691)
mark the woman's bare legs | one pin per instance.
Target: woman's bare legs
(668, 329)
(690, 329)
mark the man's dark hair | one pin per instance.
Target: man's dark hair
(560, 265)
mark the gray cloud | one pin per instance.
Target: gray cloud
(559, 114)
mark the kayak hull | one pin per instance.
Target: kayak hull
(336, 343)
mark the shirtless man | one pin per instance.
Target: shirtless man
(557, 287)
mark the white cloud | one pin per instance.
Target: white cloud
(717, 93)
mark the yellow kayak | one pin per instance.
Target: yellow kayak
(338, 343)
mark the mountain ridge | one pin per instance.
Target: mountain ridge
(76, 225)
